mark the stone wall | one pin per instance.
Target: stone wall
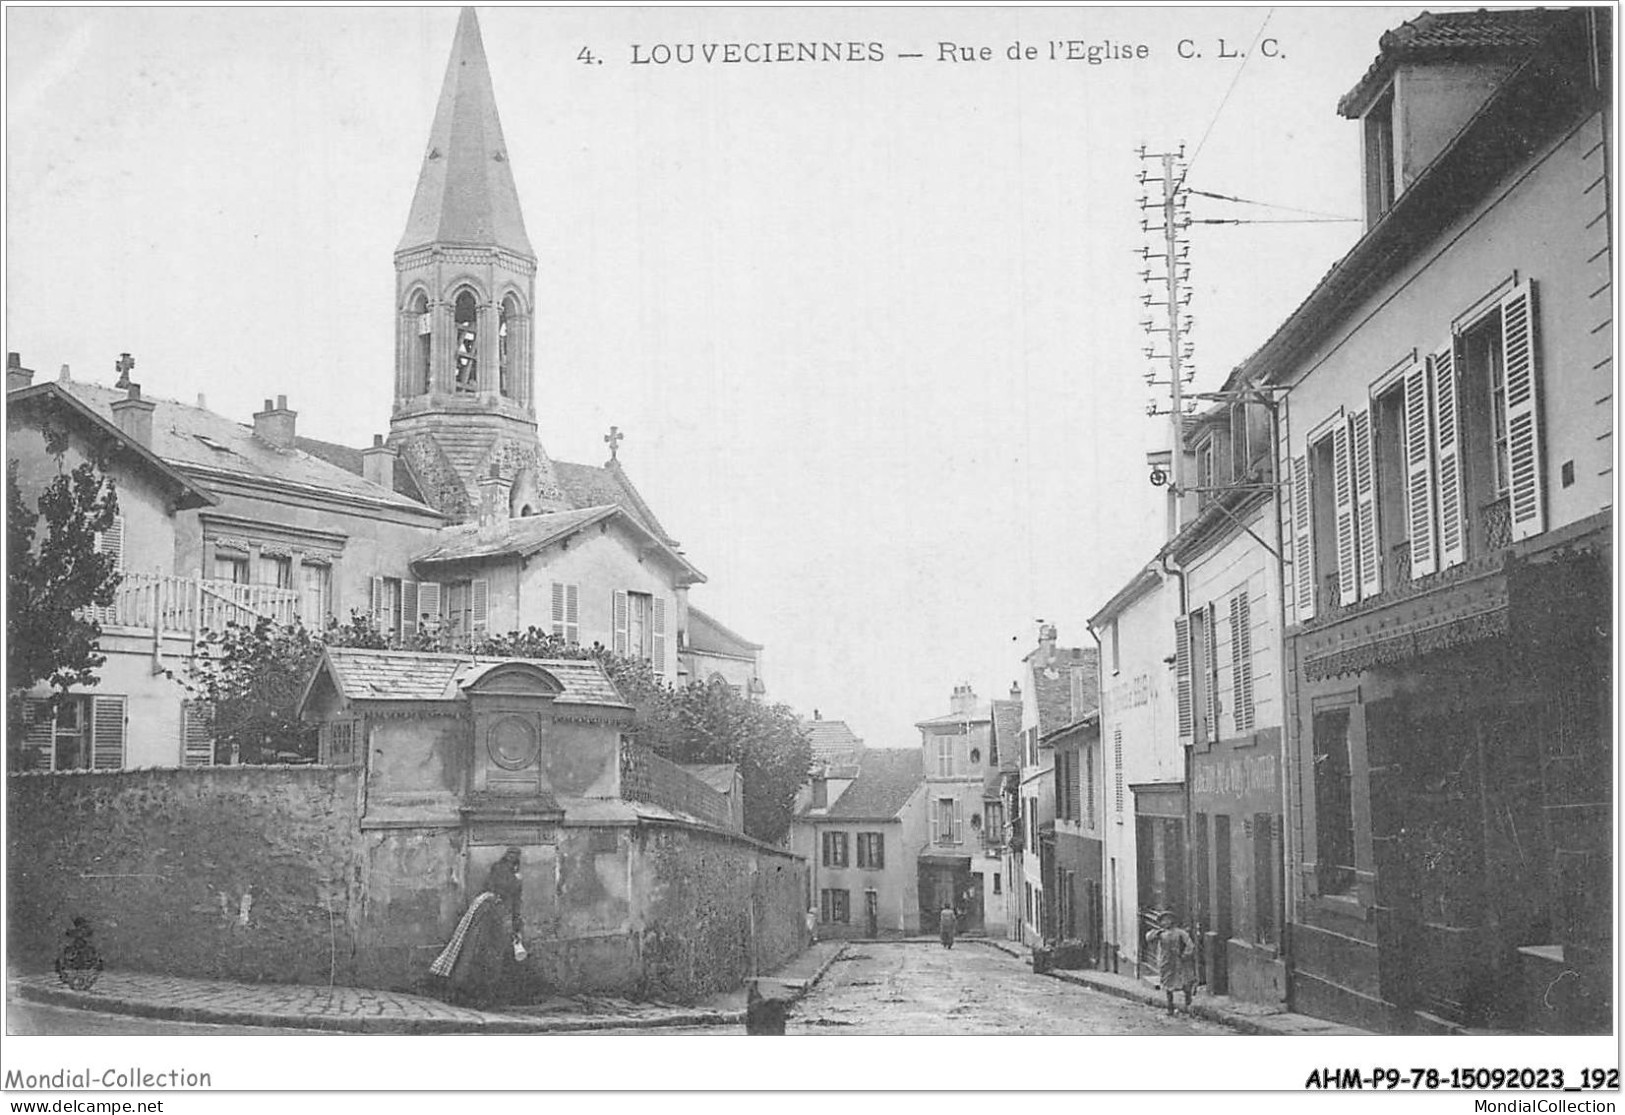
(264, 874)
(234, 872)
(716, 910)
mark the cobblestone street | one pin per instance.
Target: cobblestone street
(921, 989)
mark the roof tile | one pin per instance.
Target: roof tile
(887, 777)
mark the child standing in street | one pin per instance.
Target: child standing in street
(1176, 958)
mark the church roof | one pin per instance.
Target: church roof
(706, 635)
(402, 675)
(205, 444)
(592, 486)
(465, 192)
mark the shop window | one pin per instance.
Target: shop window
(1334, 810)
(1264, 861)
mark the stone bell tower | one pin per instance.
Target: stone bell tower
(465, 287)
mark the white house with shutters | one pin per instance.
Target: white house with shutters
(1447, 437)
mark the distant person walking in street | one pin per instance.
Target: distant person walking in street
(1176, 958)
(480, 962)
(947, 925)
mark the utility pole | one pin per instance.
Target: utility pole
(1176, 295)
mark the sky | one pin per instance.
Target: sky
(871, 328)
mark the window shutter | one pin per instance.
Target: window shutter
(1303, 540)
(1241, 661)
(197, 745)
(1447, 443)
(429, 606)
(111, 541)
(959, 824)
(1210, 671)
(479, 594)
(1348, 573)
(1117, 771)
(375, 601)
(1365, 503)
(558, 609)
(107, 733)
(1182, 675)
(572, 613)
(1522, 387)
(660, 634)
(409, 609)
(1419, 473)
(41, 735)
(619, 613)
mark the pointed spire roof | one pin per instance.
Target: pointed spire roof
(465, 191)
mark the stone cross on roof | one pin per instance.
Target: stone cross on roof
(613, 439)
(124, 365)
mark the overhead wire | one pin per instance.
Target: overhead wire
(1225, 99)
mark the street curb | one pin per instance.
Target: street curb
(493, 1024)
(1197, 1010)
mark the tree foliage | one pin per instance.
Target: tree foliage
(251, 679)
(53, 575)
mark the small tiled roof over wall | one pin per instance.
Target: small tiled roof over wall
(398, 675)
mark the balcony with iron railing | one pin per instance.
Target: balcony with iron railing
(187, 606)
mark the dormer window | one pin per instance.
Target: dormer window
(1379, 158)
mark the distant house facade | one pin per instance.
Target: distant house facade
(861, 834)
(1004, 784)
(963, 863)
(1076, 884)
(1144, 783)
(1061, 687)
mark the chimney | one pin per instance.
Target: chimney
(62, 376)
(963, 702)
(133, 416)
(378, 463)
(17, 376)
(1046, 636)
(274, 424)
(817, 715)
(1015, 691)
(494, 493)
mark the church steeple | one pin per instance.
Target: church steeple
(464, 291)
(465, 191)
